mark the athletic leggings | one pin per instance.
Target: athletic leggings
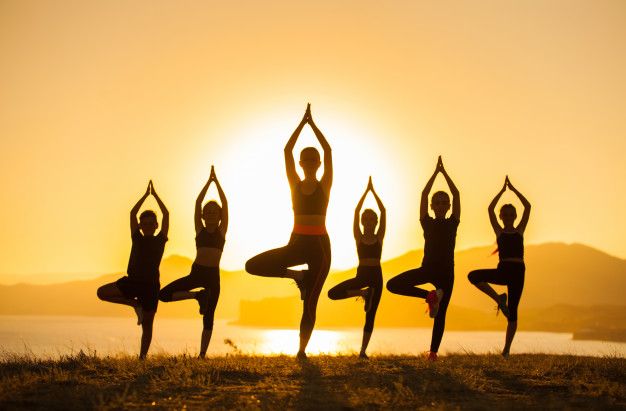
(441, 277)
(313, 250)
(366, 276)
(508, 273)
(199, 277)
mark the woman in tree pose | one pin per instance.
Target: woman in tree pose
(438, 263)
(368, 282)
(511, 268)
(211, 223)
(140, 289)
(309, 243)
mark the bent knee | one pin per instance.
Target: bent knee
(251, 266)
(333, 294)
(101, 293)
(473, 277)
(392, 286)
(165, 297)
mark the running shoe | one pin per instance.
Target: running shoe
(203, 300)
(502, 305)
(301, 356)
(369, 299)
(363, 356)
(432, 299)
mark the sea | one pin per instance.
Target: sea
(57, 336)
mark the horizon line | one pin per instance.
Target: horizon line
(333, 270)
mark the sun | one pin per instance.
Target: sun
(250, 165)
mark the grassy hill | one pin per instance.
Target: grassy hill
(334, 383)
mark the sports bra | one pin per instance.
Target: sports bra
(373, 250)
(211, 240)
(311, 204)
(510, 245)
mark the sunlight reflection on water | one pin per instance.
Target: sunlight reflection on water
(287, 342)
(54, 336)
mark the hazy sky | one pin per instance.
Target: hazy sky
(98, 97)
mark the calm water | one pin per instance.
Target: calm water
(54, 336)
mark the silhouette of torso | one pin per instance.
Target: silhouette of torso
(145, 256)
(365, 250)
(510, 245)
(439, 240)
(309, 204)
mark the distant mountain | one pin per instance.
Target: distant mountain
(79, 297)
(556, 274)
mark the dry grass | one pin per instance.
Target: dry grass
(245, 382)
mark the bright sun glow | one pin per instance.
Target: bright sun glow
(253, 174)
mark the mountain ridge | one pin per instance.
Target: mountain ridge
(557, 273)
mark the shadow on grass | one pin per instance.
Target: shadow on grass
(316, 392)
(433, 385)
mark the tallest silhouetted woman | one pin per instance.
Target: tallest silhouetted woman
(309, 243)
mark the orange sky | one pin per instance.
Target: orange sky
(98, 97)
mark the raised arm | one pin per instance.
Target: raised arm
(425, 193)
(290, 163)
(497, 228)
(382, 225)
(521, 227)
(165, 224)
(327, 178)
(224, 217)
(134, 224)
(456, 199)
(197, 215)
(356, 227)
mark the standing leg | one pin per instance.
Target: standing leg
(207, 320)
(149, 300)
(319, 265)
(515, 288)
(445, 284)
(146, 333)
(376, 287)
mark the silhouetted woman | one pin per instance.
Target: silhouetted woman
(511, 268)
(211, 223)
(309, 243)
(368, 282)
(140, 289)
(438, 263)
